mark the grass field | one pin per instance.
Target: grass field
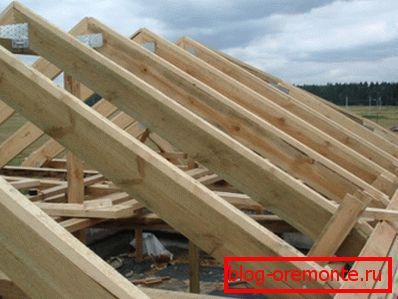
(386, 116)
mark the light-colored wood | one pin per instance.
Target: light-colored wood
(74, 167)
(380, 214)
(75, 177)
(240, 166)
(293, 105)
(135, 168)
(360, 126)
(52, 148)
(124, 210)
(5, 112)
(28, 133)
(83, 275)
(62, 188)
(8, 290)
(267, 110)
(314, 168)
(25, 184)
(17, 142)
(194, 268)
(11, 291)
(378, 244)
(339, 226)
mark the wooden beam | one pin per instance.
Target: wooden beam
(62, 188)
(335, 130)
(123, 210)
(39, 172)
(139, 243)
(378, 244)
(33, 269)
(265, 137)
(266, 109)
(134, 167)
(339, 226)
(52, 148)
(11, 291)
(194, 268)
(27, 133)
(74, 167)
(360, 126)
(244, 169)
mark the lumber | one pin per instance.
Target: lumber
(123, 210)
(28, 133)
(74, 167)
(243, 168)
(62, 188)
(339, 226)
(267, 110)
(379, 244)
(358, 125)
(264, 138)
(134, 167)
(83, 275)
(337, 131)
(8, 290)
(194, 268)
(52, 148)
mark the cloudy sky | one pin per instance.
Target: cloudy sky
(303, 41)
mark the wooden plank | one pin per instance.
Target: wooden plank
(124, 210)
(28, 133)
(17, 142)
(378, 244)
(74, 167)
(8, 290)
(5, 112)
(266, 109)
(83, 275)
(239, 166)
(380, 214)
(25, 184)
(311, 167)
(134, 167)
(362, 128)
(138, 235)
(76, 224)
(383, 284)
(11, 291)
(337, 131)
(52, 148)
(194, 268)
(339, 226)
(39, 172)
(62, 188)
(264, 137)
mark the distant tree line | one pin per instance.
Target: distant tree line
(357, 93)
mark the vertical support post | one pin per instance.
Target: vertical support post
(194, 268)
(340, 225)
(75, 168)
(138, 244)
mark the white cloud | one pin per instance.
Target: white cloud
(306, 41)
(337, 27)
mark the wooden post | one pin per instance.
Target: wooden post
(75, 169)
(138, 244)
(340, 225)
(194, 268)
